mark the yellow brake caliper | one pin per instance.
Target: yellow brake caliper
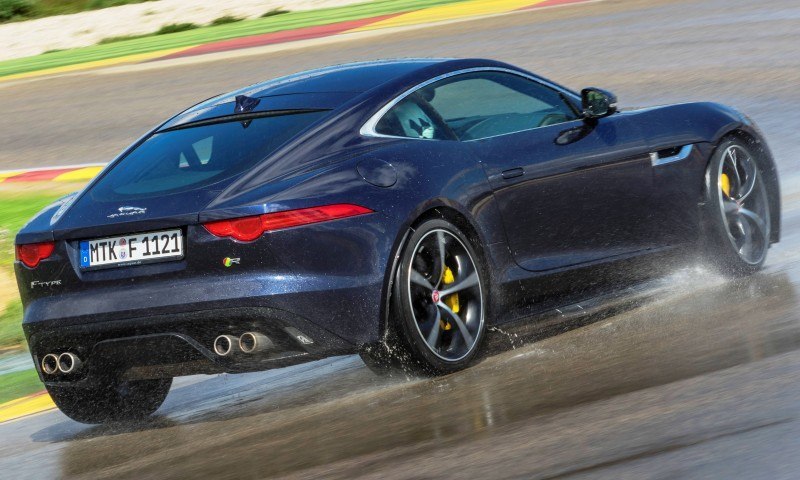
(451, 300)
(725, 184)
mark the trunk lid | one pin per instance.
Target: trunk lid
(174, 174)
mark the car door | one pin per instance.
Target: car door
(569, 192)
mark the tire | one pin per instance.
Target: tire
(110, 400)
(429, 332)
(737, 215)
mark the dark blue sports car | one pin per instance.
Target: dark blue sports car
(392, 208)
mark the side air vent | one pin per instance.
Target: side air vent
(670, 155)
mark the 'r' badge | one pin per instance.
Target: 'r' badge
(228, 261)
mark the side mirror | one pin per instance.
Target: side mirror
(597, 103)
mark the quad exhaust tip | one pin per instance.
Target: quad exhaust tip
(248, 342)
(50, 364)
(65, 363)
(68, 362)
(252, 342)
(226, 345)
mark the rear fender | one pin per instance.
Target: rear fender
(430, 176)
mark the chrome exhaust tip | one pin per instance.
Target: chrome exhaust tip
(50, 364)
(68, 362)
(252, 342)
(226, 345)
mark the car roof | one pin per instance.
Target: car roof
(324, 88)
(348, 77)
(346, 80)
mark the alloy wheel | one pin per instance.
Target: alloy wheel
(743, 204)
(445, 293)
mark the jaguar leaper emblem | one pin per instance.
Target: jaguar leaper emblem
(128, 211)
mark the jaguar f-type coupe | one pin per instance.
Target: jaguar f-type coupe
(395, 209)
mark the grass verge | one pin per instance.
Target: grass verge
(11, 335)
(18, 384)
(273, 23)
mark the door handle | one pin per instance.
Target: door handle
(512, 173)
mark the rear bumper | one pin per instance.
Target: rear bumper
(329, 274)
(167, 327)
(345, 306)
(169, 345)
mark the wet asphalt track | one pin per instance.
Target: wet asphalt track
(687, 376)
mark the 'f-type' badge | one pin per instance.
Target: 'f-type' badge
(51, 283)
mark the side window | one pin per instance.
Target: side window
(485, 104)
(413, 117)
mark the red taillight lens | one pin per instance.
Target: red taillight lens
(33, 253)
(247, 229)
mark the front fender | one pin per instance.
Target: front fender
(686, 123)
(706, 122)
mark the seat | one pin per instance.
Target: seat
(414, 121)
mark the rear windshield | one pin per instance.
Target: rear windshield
(192, 158)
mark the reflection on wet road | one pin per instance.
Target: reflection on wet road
(691, 367)
(690, 375)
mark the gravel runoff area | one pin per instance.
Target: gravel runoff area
(24, 39)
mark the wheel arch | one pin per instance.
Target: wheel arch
(441, 209)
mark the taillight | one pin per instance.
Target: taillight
(33, 253)
(247, 229)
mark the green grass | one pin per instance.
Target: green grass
(119, 38)
(202, 35)
(175, 28)
(224, 20)
(11, 326)
(16, 10)
(165, 30)
(274, 11)
(18, 384)
(13, 9)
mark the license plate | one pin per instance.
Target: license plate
(133, 249)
